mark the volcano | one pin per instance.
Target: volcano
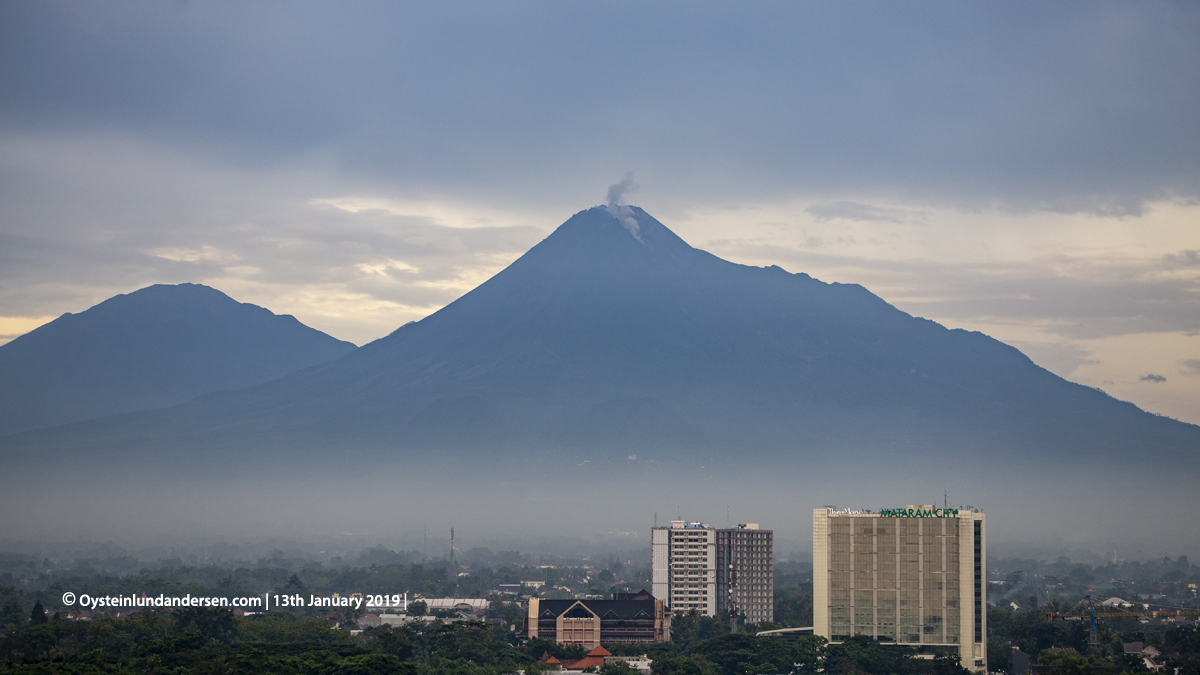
(616, 336)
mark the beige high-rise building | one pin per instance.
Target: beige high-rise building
(914, 576)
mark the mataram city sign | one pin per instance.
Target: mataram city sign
(919, 513)
(898, 513)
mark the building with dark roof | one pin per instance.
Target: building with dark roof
(628, 618)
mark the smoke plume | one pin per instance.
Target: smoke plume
(624, 214)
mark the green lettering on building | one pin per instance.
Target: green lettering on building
(919, 513)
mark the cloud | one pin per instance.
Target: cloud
(1183, 259)
(1095, 112)
(1151, 377)
(1192, 366)
(1073, 297)
(854, 211)
(273, 240)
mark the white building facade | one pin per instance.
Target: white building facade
(914, 576)
(710, 570)
(683, 561)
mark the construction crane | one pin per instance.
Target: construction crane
(1093, 635)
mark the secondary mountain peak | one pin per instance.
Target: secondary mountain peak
(155, 347)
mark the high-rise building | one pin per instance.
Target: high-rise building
(746, 573)
(683, 560)
(712, 570)
(913, 576)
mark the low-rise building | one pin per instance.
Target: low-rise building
(456, 604)
(626, 618)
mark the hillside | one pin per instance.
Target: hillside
(153, 348)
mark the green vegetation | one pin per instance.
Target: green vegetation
(1026, 583)
(1064, 644)
(215, 640)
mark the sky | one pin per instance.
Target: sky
(1029, 170)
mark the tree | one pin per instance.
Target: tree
(12, 616)
(948, 664)
(617, 668)
(211, 622)
(38, 616)
(538, 646)
(999, 654)
(863, 654)
(1182, 640)
(793, 606)
(374, 664)
(740, 653)
(389, 641)
(808, 653)
(693, 627)
(417, 608)
(1067, 662)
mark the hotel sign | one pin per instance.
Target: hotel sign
(919, 513)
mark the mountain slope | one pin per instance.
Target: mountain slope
(605, 338)
(153, 348)
(603, 377)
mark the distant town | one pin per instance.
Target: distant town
(895, 590)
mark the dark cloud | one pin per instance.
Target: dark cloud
(1185, 258)
(1151, 377)
(1080, 107)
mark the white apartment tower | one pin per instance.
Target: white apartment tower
(914, 576)
(684, 567)
(712, 570)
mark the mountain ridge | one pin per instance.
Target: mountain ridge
(152, 348)
(595, 338)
